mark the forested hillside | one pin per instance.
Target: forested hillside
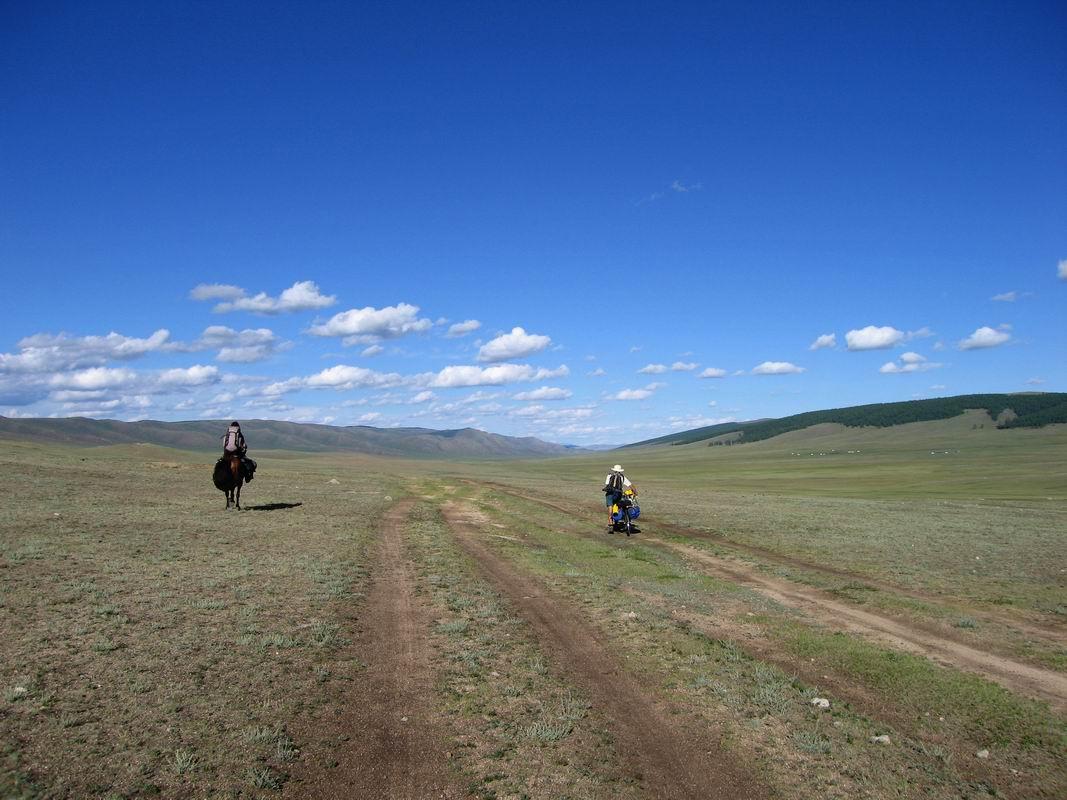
(1010, 411)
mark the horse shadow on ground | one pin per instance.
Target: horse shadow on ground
(272, 506)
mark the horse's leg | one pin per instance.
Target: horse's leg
(235, 476)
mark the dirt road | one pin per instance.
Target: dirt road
(395, 745)
(672, 759)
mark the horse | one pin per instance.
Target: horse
(228, 477)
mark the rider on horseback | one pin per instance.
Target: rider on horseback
(234, 444)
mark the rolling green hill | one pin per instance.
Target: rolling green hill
(1009, 411)
(962, 457)
(275, 435)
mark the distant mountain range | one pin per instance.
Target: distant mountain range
(273, 435)
(1009, 411)
(1022, 410)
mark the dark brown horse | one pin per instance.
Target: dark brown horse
(228, 477)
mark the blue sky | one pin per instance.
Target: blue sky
(649, 216)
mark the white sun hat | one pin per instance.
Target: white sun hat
(617, 468)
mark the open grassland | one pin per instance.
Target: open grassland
(946, 508)
(965, 457)
(371, 620)
(155, 644)
(750, 666)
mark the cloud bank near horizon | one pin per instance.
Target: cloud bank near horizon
(256, 370)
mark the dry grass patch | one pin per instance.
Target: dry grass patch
(151, 631)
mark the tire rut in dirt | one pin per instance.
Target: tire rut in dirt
(396, 747)
(674, 758)
(1014, 675)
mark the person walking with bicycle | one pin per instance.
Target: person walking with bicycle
(615, 484)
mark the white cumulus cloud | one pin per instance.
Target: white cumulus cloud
(1006, 297)
(777, 368)
(463, 328)
(246, 354)
(984, 337)
(343, 376)
(301, 296)
(234, 347)
(249, 346)
(216, 336)
(517, 344)
(873, 338)
(540, 413)
(713, 372)
(89, 392)
(638, 394)
(275, 389)
(497, 375)
(683, 366)
(545, 393)
(198, 375)
(370, 325)
(46, 352)
(633, 394)
(652, 369)
(824, 341)
(908, 362)
(95, 378)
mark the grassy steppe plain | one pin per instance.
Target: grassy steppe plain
(157, 645)
(948, 507)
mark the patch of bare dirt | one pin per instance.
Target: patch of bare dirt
(393, 745)
(672, 757)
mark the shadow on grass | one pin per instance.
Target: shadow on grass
(272, 506)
